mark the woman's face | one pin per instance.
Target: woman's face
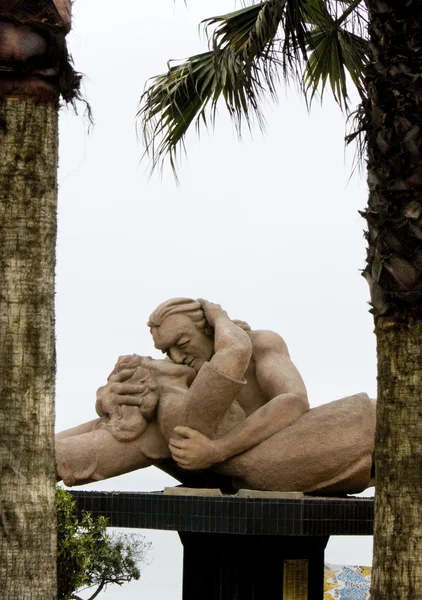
(140, 368)
(168, 368)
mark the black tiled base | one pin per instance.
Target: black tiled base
(241, 548)
(229, 514)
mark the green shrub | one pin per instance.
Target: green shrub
(88, 557)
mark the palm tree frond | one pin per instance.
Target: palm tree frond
(171, 102)
(358, 126)
(332, 52)
(249, 49)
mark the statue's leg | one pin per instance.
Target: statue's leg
(196, 479)
(208, 406)
(97, 455)
(328, 450)
(210, 402)
(79, 429)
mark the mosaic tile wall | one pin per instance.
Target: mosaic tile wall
(343, 582)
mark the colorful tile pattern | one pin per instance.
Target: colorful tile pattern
(343, 582)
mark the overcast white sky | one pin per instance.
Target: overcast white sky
(268, 227)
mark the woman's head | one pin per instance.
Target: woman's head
(151, 372)
(128, 422)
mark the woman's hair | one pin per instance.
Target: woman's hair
(146, 375)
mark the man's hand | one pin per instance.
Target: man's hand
(192, 450)
(213, 311)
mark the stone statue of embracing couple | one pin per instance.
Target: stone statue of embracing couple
(226, 408)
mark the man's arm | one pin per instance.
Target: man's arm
(279, 381)
(232, 345)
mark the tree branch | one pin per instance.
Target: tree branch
(98, 590)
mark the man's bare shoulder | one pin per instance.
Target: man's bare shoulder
(265, 341)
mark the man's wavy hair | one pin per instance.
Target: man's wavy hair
(192, 309)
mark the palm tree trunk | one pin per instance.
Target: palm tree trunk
(34, 71)
(394, 273)
(28, 200)
(397, 571)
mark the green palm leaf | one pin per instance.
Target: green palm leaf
(333, 51)
(249, 50)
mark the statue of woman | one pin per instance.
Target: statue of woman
(327, 450)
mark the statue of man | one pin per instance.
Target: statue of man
(149, 408)
(274, 397)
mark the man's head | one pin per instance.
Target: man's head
(180, 330)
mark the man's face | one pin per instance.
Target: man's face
(183, 342)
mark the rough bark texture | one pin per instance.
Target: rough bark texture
(28, 198)
(394, 273)
(397, 572)
(34, 59)
(394, 115)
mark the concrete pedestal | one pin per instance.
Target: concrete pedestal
(238, 548)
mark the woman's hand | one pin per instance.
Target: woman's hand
(192, 450)
(120, 389)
